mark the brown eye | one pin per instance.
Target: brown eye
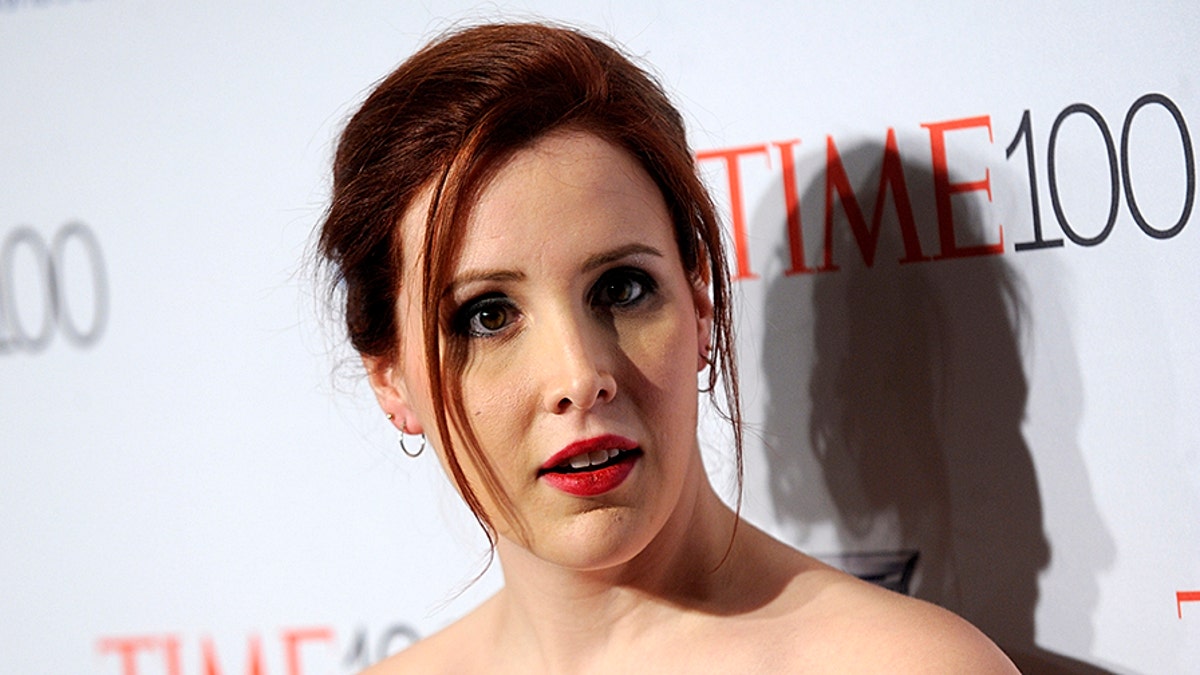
(491, 318)
(486, 316)
(622, 287)
(623, 292)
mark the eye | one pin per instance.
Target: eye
(486, 316)
(622, 287)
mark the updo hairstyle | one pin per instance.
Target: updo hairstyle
(445, 121)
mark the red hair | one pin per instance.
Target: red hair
(445, 121)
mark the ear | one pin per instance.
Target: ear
(387, 381)
(704, 325)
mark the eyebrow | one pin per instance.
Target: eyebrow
(481, 275)
(602, 259)
(593, 262)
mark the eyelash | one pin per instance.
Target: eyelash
(467, 320)
(624, 275)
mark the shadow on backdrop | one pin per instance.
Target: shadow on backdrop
(908, 434)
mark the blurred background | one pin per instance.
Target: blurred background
(968, 311)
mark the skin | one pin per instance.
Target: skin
(582, 322)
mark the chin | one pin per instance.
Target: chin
(594, 541)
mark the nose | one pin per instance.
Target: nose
(577, 364)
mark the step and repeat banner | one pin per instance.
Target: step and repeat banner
(968, 306)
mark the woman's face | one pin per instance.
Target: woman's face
(584, 336)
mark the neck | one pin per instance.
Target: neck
(569, 616)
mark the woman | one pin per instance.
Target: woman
(534, 276)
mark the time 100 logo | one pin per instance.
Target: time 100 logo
(51, 285)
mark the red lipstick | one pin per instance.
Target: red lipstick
(591, 467)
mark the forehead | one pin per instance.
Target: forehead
(570, 185)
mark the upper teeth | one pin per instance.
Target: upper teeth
(592, 458)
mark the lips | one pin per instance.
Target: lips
(591, 467)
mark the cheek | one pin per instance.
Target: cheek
(488, 398)
(490, 378)
(663, 354)
(496, 390)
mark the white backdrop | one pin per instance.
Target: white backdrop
(193, 481)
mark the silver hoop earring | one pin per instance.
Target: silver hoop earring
(414, 455)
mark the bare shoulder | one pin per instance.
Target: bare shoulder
(446, 651)
(847, 625)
